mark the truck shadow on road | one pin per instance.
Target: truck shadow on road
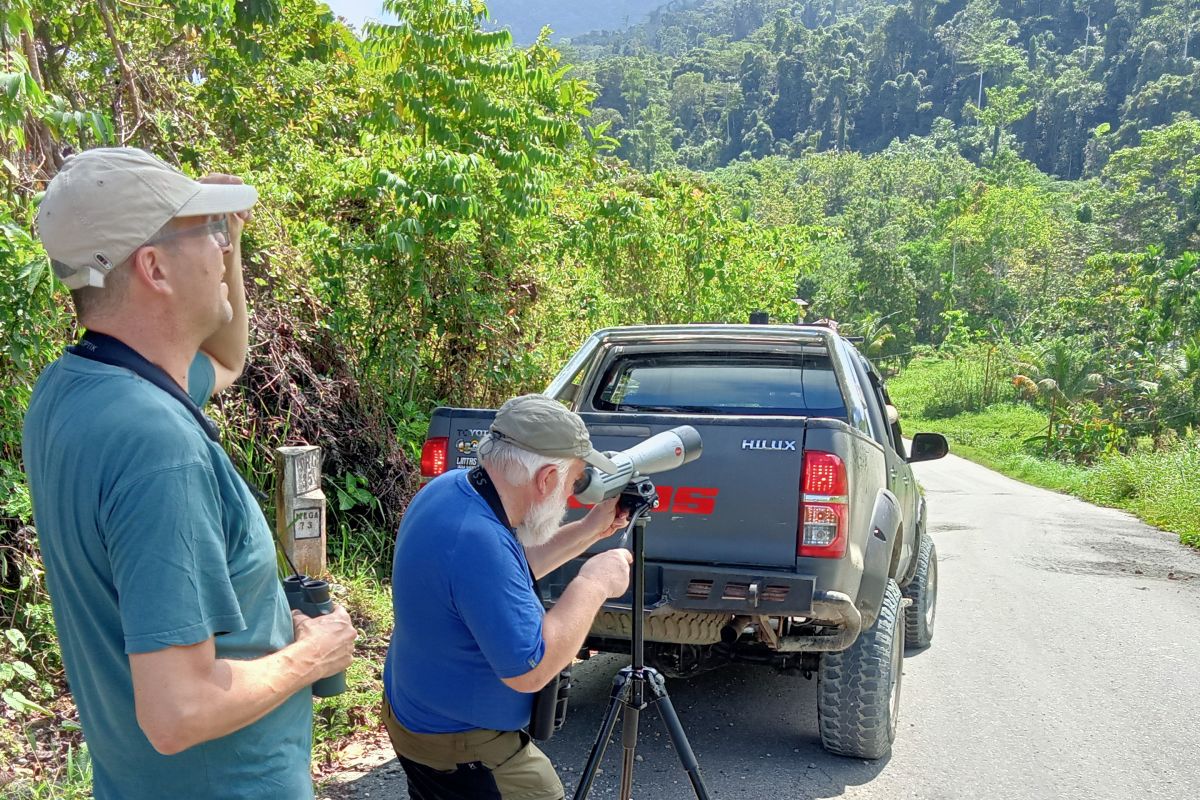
(754, 732)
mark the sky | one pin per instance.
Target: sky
(357, 12)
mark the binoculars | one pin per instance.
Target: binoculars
(310, 596)
(550, 706)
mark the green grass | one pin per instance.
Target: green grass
(360, 563)
(1160, 486)
(996, 438)
(935, 388)
(73, 781)
(337, 719)
(361, 553)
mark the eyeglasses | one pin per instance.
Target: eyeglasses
(218, 230)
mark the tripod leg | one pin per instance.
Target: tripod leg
(629, 734)
(616, 701)
(683, 748)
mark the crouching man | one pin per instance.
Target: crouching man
(472, 642)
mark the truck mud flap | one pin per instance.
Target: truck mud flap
(904, 579)
(877, 559)
(832, 607)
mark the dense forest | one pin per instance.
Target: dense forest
(445, 215)
(1064, 82)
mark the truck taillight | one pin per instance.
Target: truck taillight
(821, 532)
(434, 457)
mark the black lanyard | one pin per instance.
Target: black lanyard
(109, 350)
(487, 490)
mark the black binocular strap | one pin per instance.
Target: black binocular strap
(487, 490)
(112, 351)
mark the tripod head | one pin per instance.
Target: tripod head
(639, 495)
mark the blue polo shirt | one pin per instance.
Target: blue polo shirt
(466, 615)
(152, 540)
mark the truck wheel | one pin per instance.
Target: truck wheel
(918, 617)
(858, 689)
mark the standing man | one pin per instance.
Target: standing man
(472, 641)
(190, 675)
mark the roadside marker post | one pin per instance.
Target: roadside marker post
(300, 507)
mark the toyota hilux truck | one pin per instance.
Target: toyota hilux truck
(798, 540)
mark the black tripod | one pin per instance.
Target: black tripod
(630, 685)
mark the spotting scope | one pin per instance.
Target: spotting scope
(659, 453)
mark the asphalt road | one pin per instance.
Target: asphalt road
(1065, 664)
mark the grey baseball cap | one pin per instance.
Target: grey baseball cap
(107, 202)
(536, 423)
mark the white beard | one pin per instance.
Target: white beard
(543, 520)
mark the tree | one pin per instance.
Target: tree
(1155, 185)
(1005, 106)
(688, 101)
(759, 140)
(1060, 375)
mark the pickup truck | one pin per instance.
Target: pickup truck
(797, 540)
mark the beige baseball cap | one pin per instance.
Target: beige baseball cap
(107, 202)
(536, 423)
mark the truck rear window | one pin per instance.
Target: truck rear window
(722, 383)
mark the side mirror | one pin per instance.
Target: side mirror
(928, 447)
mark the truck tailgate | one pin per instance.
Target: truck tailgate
(736, 504)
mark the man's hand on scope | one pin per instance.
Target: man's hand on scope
(605, 519)
(329, 639)
(609, 570)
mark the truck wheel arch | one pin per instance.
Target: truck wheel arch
(883, 542)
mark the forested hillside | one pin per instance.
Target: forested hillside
(526, 18)
(445, 216)
(1065, 82)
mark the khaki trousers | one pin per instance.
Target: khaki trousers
(497, 765)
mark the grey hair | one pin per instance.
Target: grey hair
(516, 464)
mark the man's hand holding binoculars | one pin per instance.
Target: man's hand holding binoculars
(328, 641)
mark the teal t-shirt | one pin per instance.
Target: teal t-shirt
(150, 540)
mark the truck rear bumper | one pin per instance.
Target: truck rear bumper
(688, 588)
(738, 592)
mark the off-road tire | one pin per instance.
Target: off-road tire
(922, 590)
(858, 689)
(675, 627)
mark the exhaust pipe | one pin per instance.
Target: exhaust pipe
(732, 630)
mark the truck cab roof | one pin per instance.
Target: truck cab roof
(711, 331)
